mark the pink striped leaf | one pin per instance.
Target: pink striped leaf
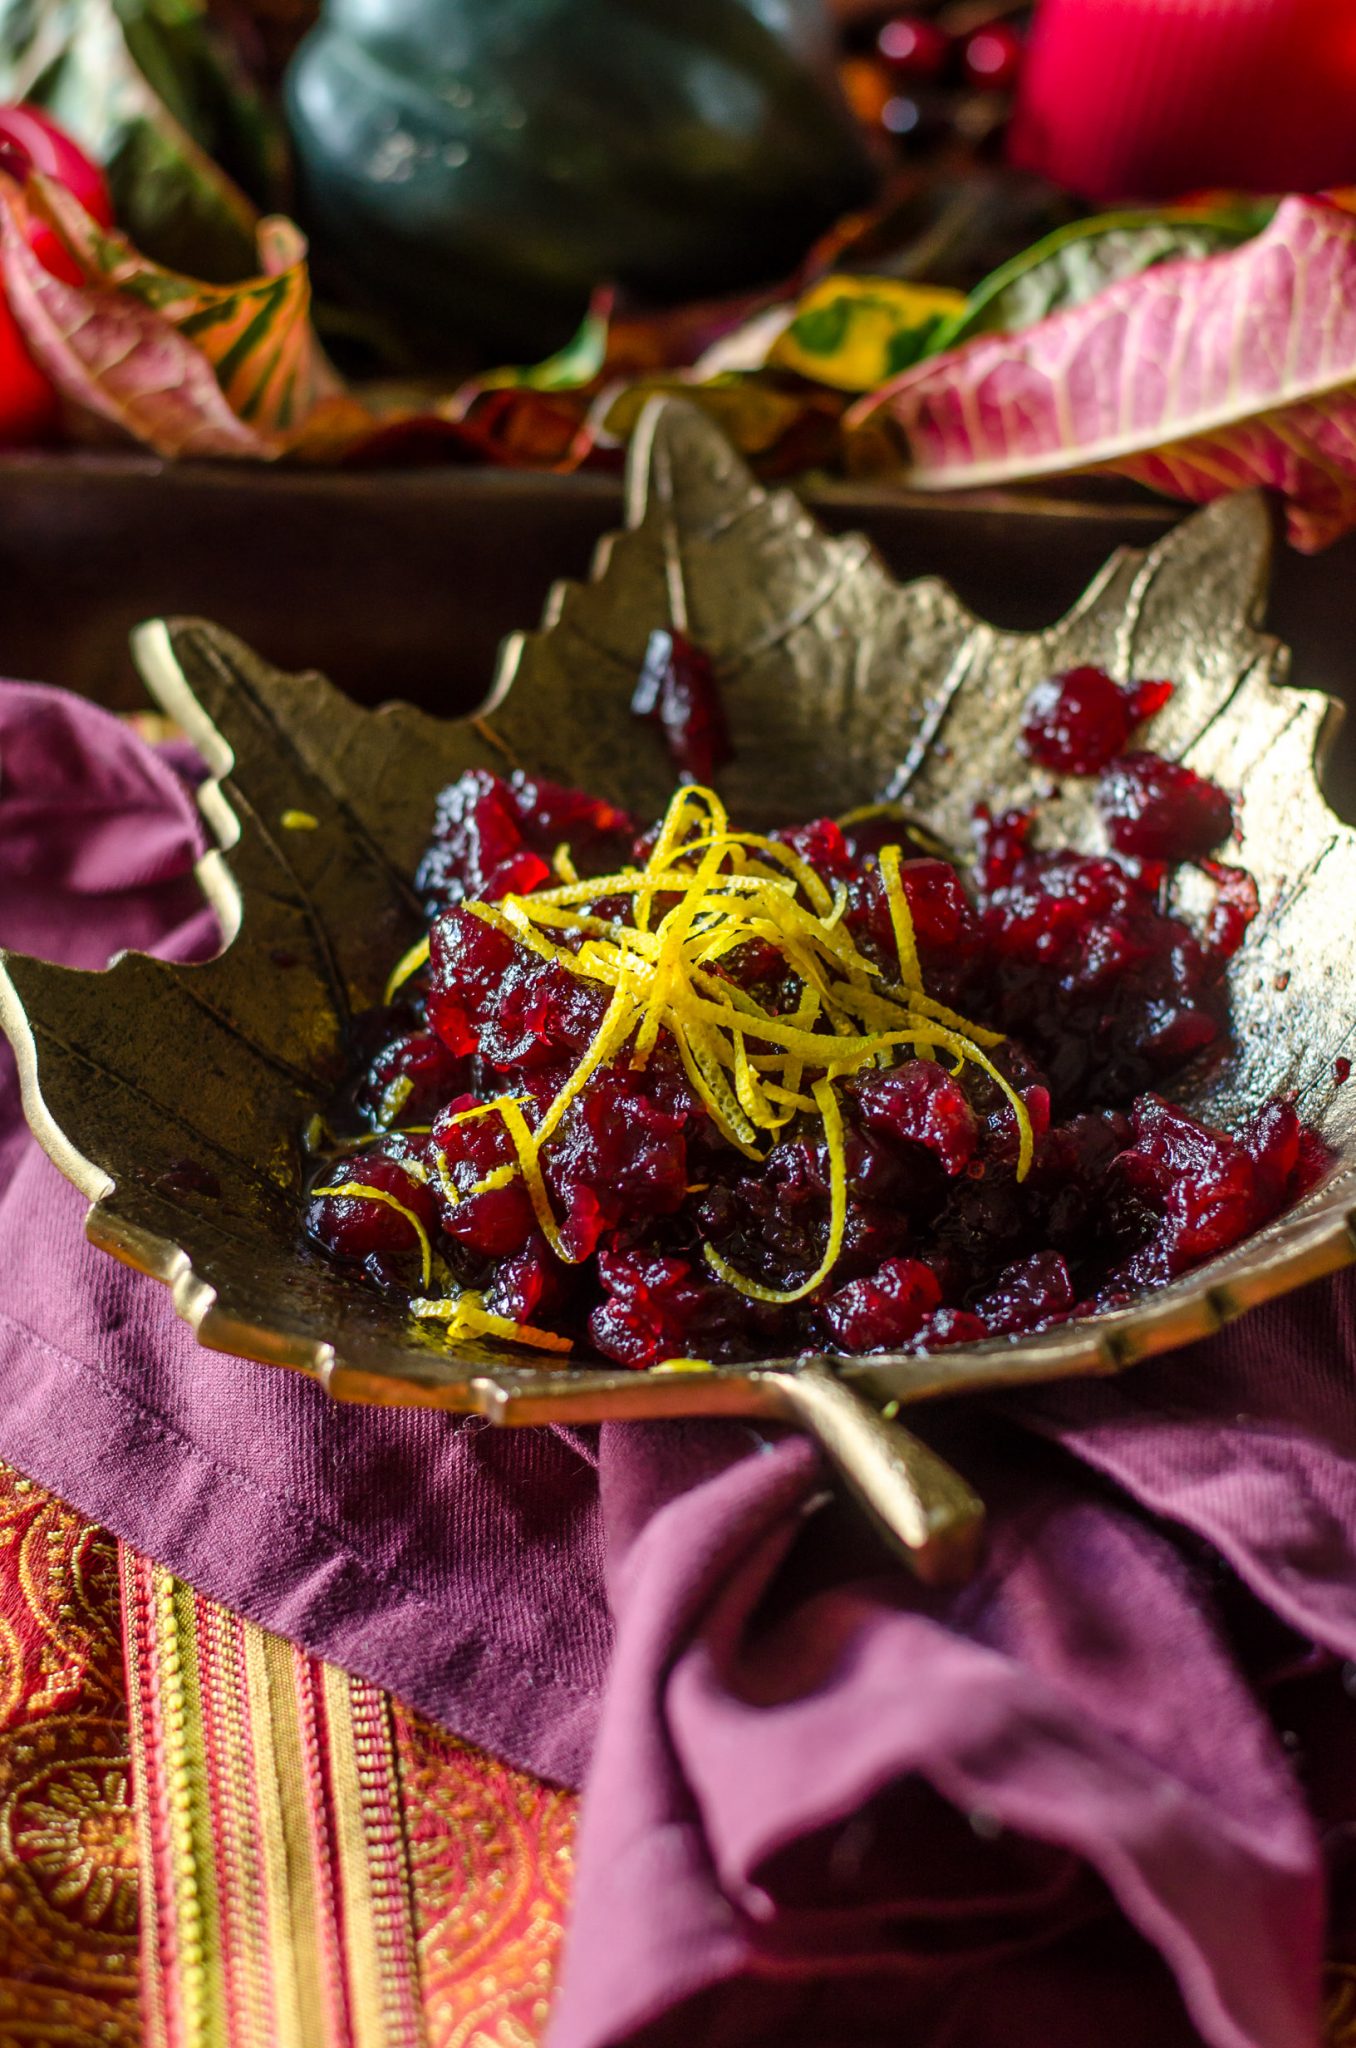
(1199, 377)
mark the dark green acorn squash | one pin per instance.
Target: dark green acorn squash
(475, 167)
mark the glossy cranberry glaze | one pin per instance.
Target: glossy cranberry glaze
(677, 691)
(1104, 996)
(1079, 721)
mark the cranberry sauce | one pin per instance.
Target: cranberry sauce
(537, 1134)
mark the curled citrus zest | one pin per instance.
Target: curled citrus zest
(494, 915)
(562, 863)
(498, 1178)
(394, 1096)
(358, 1191)
(408, 964)
(703, 893)
(683, 1365)
(336, 1147)
(525, 1145)
(465, 1315)
(624, 883)
(464, 1116)
(901, 918)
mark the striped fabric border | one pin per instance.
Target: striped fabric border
(276, 1902)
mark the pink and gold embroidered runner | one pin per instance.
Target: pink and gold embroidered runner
(322, 1869)
(245, 1848)
(189, 1858)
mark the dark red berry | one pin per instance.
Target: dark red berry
(921, 1104)
(950, 1326)
(677, 690)
(353, 1227)
(1201, 1185)
(467, 1149)
(993, 57)
(885, 1311)
(1030, 1294)
(822, 846)
(621, 1154)
(1146, 699)
(1233, 910)
(531, 1285)
(914, 47)
(1075, 723)
(1002, 843)
(411, 1078)
(1162, 810)
(469, 962)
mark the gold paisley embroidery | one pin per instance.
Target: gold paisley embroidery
(69, 1879)
(491, 1855)
(73, 1834)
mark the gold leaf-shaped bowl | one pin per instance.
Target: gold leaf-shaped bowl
(174, 1096)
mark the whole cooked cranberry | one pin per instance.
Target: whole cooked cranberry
(659, 1307)
(540, 1012)
(1232, 911)
(1272, 1139)
(939, 910)
(885, 1311)
(677, 690)
(478, 850)
(1075, 723)
(491, 996)
(1048, 904)
(822, 846)
(551, 815)
(353, 1228)
(938, 905)
(1002, 843)
(1030, 1293)
(919, 1103)
(1070, 1168)
(468, 964)
(755, 962)
(469, 1149)
(619, 1155)
(410, 1078)
(872, 1233)
(1202, 1185)
(1161, 810)
(530, 1285)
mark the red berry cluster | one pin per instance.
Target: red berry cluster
(909, 75)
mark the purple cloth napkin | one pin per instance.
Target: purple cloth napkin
(1105, 1792)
